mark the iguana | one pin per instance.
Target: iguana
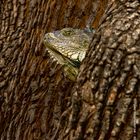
(68, 47)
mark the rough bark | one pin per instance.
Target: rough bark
(38, 102)
(107, 93)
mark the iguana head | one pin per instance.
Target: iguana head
(68, 46)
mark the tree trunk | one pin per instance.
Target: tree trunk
(38, 102)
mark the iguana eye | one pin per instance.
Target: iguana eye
(67, 32)
(85, 43)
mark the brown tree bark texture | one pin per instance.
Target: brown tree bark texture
(107, 93)
(33, 90)
(37, 100)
